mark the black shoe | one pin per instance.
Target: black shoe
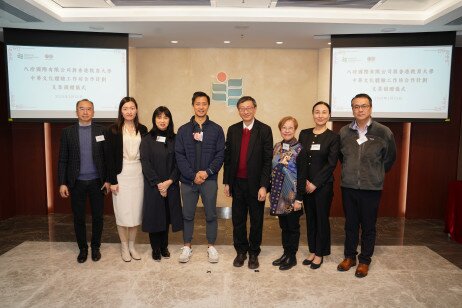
(83, 254)
(307, 262)
(95, 254)
(253, 262)
(156, 255)
(239, 260)
(316, 266)
(165, 253)
(281, 260)
(288, 263)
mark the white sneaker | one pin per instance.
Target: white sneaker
(213, 254)
(186, 254)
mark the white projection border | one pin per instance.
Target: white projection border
(403, 82)
(46, 82)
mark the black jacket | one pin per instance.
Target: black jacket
(259, 155)
(319, 164)
(159, 165)
(69, 154)
(114, 146)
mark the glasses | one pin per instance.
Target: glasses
(363, 107)
(244, 109)
(85, 108)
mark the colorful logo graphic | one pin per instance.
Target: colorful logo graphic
(227, 90)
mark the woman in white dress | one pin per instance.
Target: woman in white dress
(125, 174)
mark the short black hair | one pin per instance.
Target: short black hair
(246, 98)
(321, 103)
(199, 94)
(362, 95)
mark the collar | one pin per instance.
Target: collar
(84, 125)
(354, 125)
(194, 123)
(291, 142)
(248, 127)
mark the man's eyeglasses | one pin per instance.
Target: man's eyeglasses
(363, 107)
(244, 109)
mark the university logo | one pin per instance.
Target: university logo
(227, 90)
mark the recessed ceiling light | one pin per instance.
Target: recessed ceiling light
(329, 43)
(279, 43)
(387, 30)
(97, 28)
(227, 42)
(174, 42)
(322, 37)
(135, 35)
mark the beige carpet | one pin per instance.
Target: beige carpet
(43, 274)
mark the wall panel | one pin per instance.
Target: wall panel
(434, 156)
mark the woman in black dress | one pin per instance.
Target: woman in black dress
(162, 202)
(322, 147)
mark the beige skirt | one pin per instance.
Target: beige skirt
(128, 203)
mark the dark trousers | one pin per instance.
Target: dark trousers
(317, 208)
(79, 193)
(159, 240)
(244, 202)
(290, 232)
(361, 208)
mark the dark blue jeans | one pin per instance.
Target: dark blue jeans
(190, 196)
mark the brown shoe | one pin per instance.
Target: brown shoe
(346, 264)
(361, 270)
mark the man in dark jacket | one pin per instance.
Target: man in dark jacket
(199, 150)
(247, 171)
(81, 173)
(367, 151)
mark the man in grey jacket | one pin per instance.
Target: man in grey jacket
(367, 151)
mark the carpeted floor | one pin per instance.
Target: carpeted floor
(46, 274)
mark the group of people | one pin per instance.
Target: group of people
(143, 170)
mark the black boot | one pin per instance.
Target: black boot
(165, 253)
(83, 254)
(156, 255)
(288, 263)
(281, 260)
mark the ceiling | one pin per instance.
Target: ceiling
(244, 23)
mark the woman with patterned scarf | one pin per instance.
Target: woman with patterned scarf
(285, 197)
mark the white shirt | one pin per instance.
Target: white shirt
(248, 127)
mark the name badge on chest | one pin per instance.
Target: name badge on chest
(161, 139)
(315, 147)
(285, 146)
(99, 138)
(198, 136)
(361, 140)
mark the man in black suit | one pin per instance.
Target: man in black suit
(82, 172)
(247, 170)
